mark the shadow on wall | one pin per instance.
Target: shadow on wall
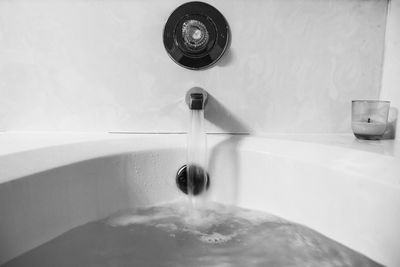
(226, 152)
(220, 116)
(390, 132)
(227, 59)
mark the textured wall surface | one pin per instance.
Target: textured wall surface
(91, 65)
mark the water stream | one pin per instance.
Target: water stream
(196, 156)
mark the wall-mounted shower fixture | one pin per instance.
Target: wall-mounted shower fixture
(196, 35)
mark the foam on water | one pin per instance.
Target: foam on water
(176, 235)
(213, 223)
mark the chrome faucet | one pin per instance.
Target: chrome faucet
(196, 98)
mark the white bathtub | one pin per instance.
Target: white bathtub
(346, 189)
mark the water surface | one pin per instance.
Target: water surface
(177, 235)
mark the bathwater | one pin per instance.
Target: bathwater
(176, 235)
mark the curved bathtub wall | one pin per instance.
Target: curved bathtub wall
(39, 207)
(82, 65)
(330, 186)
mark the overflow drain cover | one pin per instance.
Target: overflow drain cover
(201, 179)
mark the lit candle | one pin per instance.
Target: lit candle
(369, 128)
(369, 118)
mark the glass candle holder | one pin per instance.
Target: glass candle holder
(369, 118)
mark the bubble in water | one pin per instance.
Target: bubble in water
(216, 238)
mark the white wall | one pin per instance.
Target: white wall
(391, 71)
(91, 65)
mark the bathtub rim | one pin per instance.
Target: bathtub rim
(46, 151)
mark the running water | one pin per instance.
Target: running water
(163, 236)
(196, 155)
